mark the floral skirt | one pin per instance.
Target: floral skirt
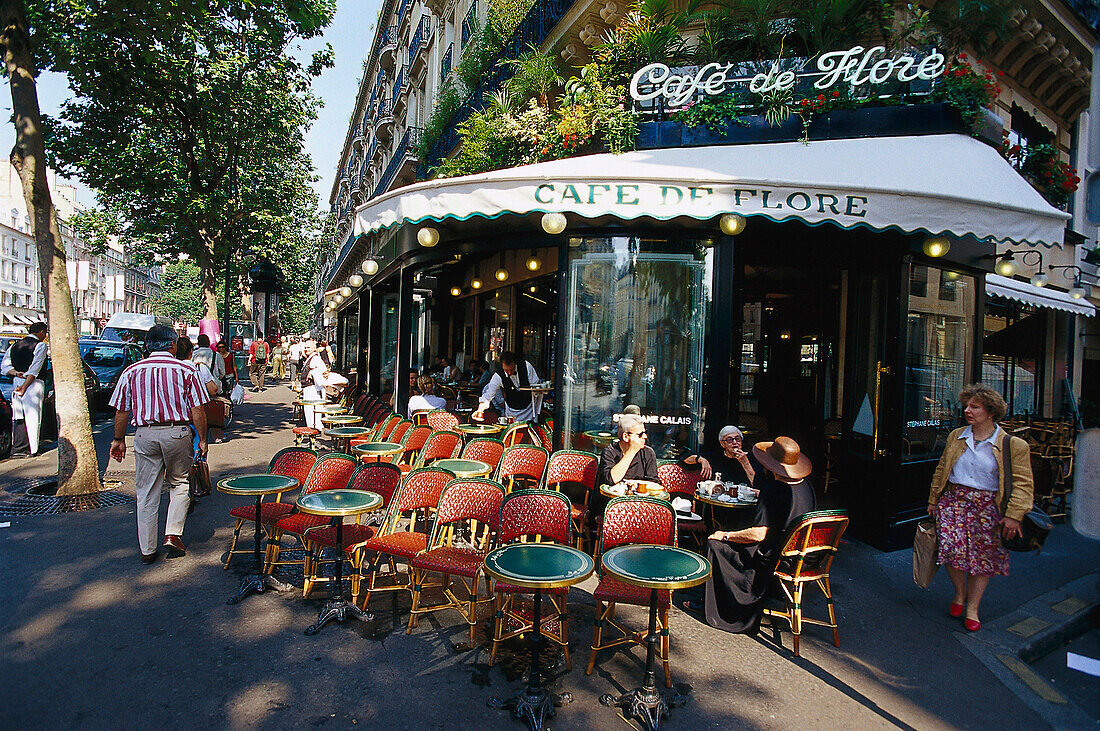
(968, 523)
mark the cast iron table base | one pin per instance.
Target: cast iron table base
(338, 607)
(258, 581)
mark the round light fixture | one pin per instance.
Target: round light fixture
(475, 283)
(533, 263)
(1039, 280)
(533, 289)
(936, 247)
(575, 241)
(455, 291)
(1006, 267)
(501, 274)
(370, 267)
(950, 276)
(428, 237)
(355, 281)
(731, 223)
(345, 291)
(338, 299)
(1078, 292)
(554, 223)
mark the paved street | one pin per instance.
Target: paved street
(89, 637)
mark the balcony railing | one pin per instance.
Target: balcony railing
(398, 85)
(468, 24)
(405, 150)
(420, 38)
(445, 63)
(402, 11)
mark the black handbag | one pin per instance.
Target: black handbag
(1035, 526)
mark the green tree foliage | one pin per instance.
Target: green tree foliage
(180, 296)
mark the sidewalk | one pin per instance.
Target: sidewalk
(89, 637)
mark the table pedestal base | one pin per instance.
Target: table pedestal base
(257, 583)
(338, 609)
(648, 705)
(533, 705)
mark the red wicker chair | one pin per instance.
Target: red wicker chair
(681, 483)
(807, 557)
(484, 449)
(574, 473)
(473, 504)
(516, 433)
(331, 472)
(385, 426)
(440, 445)
(545, 436)
(377, 477)
(420, 418)
(442, 420)
(414, 441)
(404, 532)
(522, 466)
(291, 462)
(397, 434)
(531, 516)
(632, 520)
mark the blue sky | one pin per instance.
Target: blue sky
(350, 34)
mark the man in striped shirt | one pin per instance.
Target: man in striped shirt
(164, 396)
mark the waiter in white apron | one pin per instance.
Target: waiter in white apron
(507, 380)
(24, 362)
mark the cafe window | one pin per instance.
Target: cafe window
(388, 365)
(1013, 352)
(635, 334)
(939, 354)
(349, 338)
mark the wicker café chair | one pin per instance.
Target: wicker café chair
(628, 520)
(574, 474)
(414, 441)
(516, 433)
(378, 477)
(293, 462)
(385, 426)
(440, 445)
(681, 483)
(545, 436)
(442, 420)
(484, 449)
(420, 418)
(806, 558)
(406, 528)
(470, 506)
(331, 472)
(534, 516)
(522, 466)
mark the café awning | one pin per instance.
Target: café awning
(1025, 292)
(937, 184)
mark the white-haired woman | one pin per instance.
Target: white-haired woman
(731, 459)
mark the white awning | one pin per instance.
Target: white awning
(936, 184)
(1025, 292)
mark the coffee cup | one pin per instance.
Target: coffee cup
(745, 492)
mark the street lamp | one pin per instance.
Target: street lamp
(731, 223)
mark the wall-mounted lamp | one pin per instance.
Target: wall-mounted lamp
(1006, 263)
(338, 299)
(501, 273)
(456, 291)
(731, 223)
(1039, 278)
(370, 267)
(533, 262)
(355, 281)
(554, 223)
(427, 237)
(345, 292)
(1078, 290)
(475, 283)
(936, 246)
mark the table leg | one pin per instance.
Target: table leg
(258, 581)
(338, 607)
(534, 705)
(647, 704)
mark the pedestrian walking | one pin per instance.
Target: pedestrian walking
(205, 354)
(278, 360)
(24, 362)
(163, 397)
(294, 358)
(257, 362)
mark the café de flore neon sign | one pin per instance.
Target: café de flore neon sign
(856, 66)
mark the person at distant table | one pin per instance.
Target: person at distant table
(426, 400)
(731, 460)
(507, 381)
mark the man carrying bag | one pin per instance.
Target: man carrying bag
(257, 362)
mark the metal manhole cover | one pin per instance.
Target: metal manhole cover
(34, 499)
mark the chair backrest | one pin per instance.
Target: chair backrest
(812, 541)
(374, 414)
(522, 462)
(420, 418)
(484, 449)
(468, 500)
(413, 442)
(545, 435)
(535, 514)
(331, 472)
(637, 519)
(362, 406)
(441, 420)
(380, 477)
(418, 495)
(397, 434)
(440, 445)
(574, 473)
(389, 421)
(293, 462)
(674, 478)
(514, 434)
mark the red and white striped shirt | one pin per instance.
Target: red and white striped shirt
(159, 389)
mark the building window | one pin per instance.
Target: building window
(1013, 353)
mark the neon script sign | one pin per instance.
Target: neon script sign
(856, 66)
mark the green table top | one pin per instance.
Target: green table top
(598, 436)
(347, 419)
(480, 429)
(464, 467)
(331, 409)
(258, 484)
(378, 449)
(339, 502)
(311, 401)
(539, 565)
(656, 567)
(347, 431)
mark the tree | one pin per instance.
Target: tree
(77, 468)
(180, 297)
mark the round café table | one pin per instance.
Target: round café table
(338, 504)
(655, 568)
(342, 436)
(536, 566)
(606, 491)
(331, 409)
(470, 431)
(600, 438)
(342, 420)
(464, 468)
(713, 516)
(257, 486)
(378, 450)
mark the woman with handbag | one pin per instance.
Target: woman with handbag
(977, 497)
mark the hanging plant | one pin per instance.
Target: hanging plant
(967, 89)
(1054, 179)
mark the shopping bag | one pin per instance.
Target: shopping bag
(924, 553)
(217, 412)
(237, 394)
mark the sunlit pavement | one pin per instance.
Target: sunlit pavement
(89, 637)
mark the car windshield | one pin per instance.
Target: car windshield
(102, 355)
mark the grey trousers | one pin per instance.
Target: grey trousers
(163, 456)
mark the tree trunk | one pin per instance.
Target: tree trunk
(209, 291)
(77, 469)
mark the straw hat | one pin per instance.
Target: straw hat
(783, 457)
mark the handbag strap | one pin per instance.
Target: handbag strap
(1006, 455)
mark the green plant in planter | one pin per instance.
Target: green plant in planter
(1054, 179)
(966, 89)
(715, 113)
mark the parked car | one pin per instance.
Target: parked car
(49, 406)
(131, 327)
(108, 359)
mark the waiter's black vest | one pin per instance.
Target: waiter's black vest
(22, 353)
(516, 399)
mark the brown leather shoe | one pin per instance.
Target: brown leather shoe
(175, 546)
(148, 558)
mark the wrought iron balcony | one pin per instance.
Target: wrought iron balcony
(383, 122)
(419, 42)
(387, 47)
(405, 154)
(399, 85)
(402, 12)
(359, 135)
(445, 63)
(468, 24)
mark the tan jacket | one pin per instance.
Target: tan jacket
(1023, 485)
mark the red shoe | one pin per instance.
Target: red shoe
(972, 625)
(956, 610)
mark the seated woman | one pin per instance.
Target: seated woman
(744, 560)
(731, 460)
(426, 400)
